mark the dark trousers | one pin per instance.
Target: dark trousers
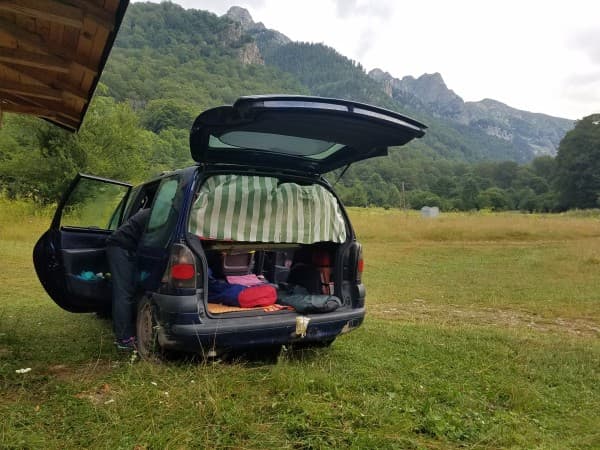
(122, 265)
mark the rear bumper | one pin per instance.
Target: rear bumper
(192, 332)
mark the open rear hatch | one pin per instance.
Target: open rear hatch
(305, 134)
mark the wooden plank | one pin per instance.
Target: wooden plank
(7, 40)
(40, 112)
(86, 47)
(102, 36)
(67, 88)
(87, 80)
(26, 109)
(69, 124)
(70, 39)
(111, 5)
(30, 90)
(58, 107)
(71, 15)
(87, 37)
(94, 12)
(38, 43)
(46, 10)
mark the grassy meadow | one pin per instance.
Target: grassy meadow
(482, 332)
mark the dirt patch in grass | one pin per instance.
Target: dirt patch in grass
(421, 311)
(99, 396)
(89, 371)
(4, 352)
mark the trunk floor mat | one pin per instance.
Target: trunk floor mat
(217, 308)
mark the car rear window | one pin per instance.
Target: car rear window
(275, 143)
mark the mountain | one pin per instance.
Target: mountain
(538, 134)
(192, 57)
(490, 129)
(200, 60)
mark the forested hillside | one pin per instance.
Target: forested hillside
(169, 64)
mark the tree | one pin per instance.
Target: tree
(377, 190)
(578, 165)
(161, 114)
(444, 186)
(494, 198)
(545, 167)
(355, 195)
(469, 192)
(526, 200)
(40, 159)
(417, 199)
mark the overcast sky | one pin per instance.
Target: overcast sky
(540, 56)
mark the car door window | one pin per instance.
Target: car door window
(163, 215)
(94, 204)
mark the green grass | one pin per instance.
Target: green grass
(482, 332)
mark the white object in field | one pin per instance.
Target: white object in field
(430, 211)
(28, 369)
(302, 325)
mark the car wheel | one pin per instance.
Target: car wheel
(148, 346)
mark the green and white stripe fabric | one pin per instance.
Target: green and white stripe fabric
(257, 209)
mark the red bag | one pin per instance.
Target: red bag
(261, 295)
(322, 260)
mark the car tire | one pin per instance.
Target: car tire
(146, 327)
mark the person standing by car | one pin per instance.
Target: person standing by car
(121, 249)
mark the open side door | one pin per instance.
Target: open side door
(69, 258)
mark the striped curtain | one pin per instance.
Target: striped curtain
(258, 209)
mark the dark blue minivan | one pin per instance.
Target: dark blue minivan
(255, 204)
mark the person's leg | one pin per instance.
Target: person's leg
(122, 268)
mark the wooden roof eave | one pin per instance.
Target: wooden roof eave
(52, 54)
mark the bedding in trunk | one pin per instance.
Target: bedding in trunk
(260, 209)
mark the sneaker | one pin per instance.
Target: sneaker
(127, 344)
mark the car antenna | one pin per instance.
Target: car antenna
(342, 174)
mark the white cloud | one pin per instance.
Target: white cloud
(588, 41)
(349, 8)
(219, 7)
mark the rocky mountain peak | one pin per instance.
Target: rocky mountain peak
(379, 75)
(265, 38)
(386, 80)
(433, 78)
(243, 17)
(430, 88)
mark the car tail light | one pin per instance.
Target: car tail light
(360, 265)
(181, 271)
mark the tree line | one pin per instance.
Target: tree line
(37, 161)
(410, 178)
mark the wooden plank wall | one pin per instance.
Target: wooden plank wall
(51, 53)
